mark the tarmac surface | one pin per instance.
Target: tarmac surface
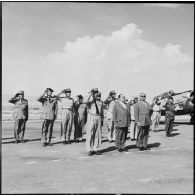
(31, 168)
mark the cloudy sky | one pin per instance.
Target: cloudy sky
(123, 46)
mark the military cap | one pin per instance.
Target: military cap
(170, 97)
(112, 92)
(67, 90)
(94, 89)
(135, 97)
(21, 92)
(80, 96)
(99, 94)
(49, 89)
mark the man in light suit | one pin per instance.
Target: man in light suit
(142, 114)
(49, 114)
(20, 115)
(122, 120)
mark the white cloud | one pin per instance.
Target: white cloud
(123, 61)
(165, 5)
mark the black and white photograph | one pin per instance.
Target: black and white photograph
(97, 97)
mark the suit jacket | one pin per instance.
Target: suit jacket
(142, 113)
(121, 116)
(20, 108)
(49, 108)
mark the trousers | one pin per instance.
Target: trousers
(142, 136)
(79, 121)
(111, 130)
(47, 130)
(133, 130)
(93, 133)
(19, 129)
(120, 137)
(66, 123)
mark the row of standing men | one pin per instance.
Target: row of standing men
(120, 116)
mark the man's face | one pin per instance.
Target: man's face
(80, 100)
(95, 95)
(114, 95)
(142, 96)
(136, 100)
(68, 94)
(122, 98)
(192, 98)
(49, 93)
(21, 96)
(171, 100)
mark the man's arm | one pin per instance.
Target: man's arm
(14, 99)
(42, 98)
(114, 114)
(136, 113)
(27, 111)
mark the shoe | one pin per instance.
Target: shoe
(97, 152)
(50, 144)
(22, 141)
(145, 148)
(17, 141)
(68, 142)
(44, 144)
(141, 149)
(64, 142)
(168, 135)
(90, 153)
(125, 150)
(110, 141)
(77, 141)
(120, 150)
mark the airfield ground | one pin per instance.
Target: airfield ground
(30, 168)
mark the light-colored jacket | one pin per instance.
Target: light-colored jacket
(142, 113)
(20, 108)
(49, 108)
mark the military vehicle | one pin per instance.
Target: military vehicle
(184, 102)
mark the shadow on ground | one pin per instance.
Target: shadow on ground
(112, 148)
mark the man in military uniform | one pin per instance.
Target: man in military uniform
(80, 117)
(94, 122)
(110, 101)
(49, 114)
(20, 115)
(169, 116)
(133, 126)
(67, 106)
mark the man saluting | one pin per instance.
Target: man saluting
(20, 115)
(49, 114)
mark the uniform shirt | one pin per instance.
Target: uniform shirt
(92, 108)
(20, 108)
(49, 108)
(156, 108)
(66, 103)
(170, 109)
(132, 111)
(111, 104)
(80, 108)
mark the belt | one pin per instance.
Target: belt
(156, 111)
(94, 114)
(67, 109)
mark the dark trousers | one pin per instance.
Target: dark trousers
(169, 124)
(120, 137)
(19, 129)
(47, 130)
(79, 122)
(142, 136)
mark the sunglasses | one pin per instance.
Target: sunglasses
(143, 96)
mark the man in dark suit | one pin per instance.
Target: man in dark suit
(49, 114)
(142, 114)
(20, 115)
(122, 120)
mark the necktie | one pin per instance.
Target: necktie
(97, 110)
